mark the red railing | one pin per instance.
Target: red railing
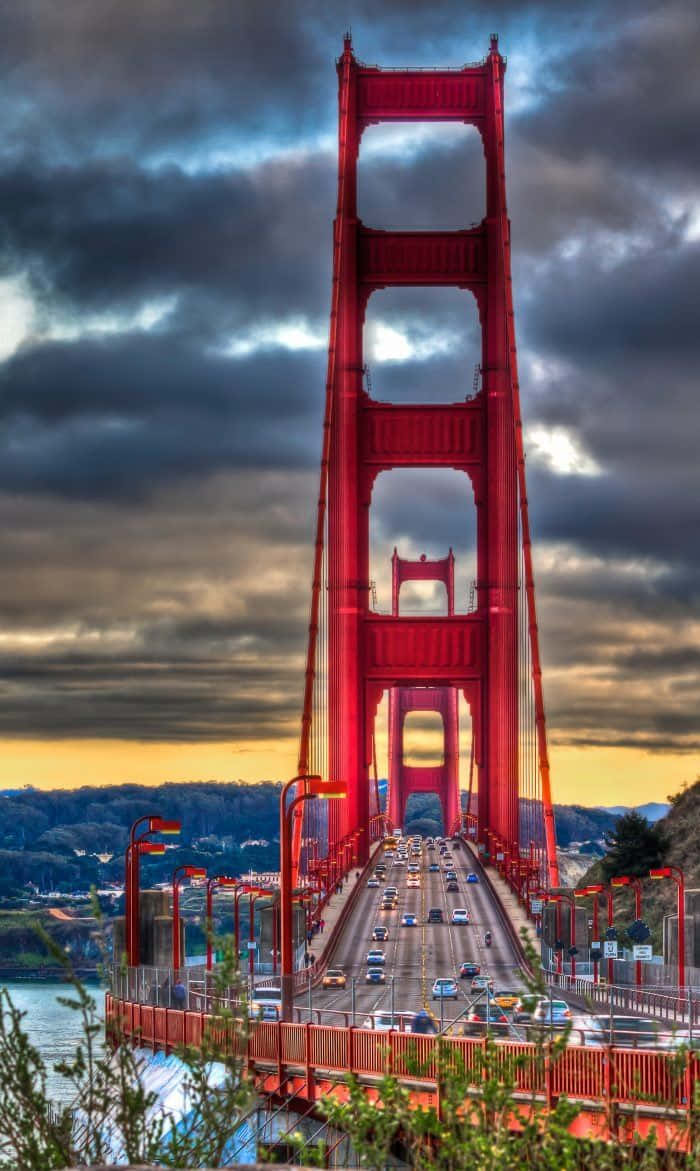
(659, 1081)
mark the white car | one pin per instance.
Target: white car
(444, 989)
(384, 1022)
(265, 1004)
(413, 883)
(460, 916)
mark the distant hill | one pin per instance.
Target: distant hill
(653, 810)
(67, 839)
(681, 826)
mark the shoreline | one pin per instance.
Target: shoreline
(56, 975)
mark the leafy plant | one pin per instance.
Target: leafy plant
(113, 1115)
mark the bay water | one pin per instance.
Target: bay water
(52, 1028)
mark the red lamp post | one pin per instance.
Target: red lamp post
(636, 885)
(138, 845)
(596, 889)
(240, 890)
(313, 788)
(558, 898)
(179, 873)
(676, 873)
(580, 894)
(218, 880)
(254, 894)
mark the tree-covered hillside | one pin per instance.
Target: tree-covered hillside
(636, 846)
(53, 839)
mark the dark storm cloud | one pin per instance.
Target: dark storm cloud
(157, 494)
(195, 630)
(115, 416)
(108, 233)
(631, 95)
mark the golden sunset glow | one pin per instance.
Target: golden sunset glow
(592, 776)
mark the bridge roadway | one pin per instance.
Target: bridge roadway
(416, 956)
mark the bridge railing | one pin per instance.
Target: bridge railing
(605, 1073)
(671, 1007)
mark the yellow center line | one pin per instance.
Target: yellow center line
(424, 980)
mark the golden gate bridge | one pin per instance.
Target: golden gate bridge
(487, 656)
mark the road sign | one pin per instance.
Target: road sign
(638, 931)
(472, 831)
(610, 949)
(536, 906)
(595, 945)
(611, 933)
(252, 945)
(499, 857)
(642, 951)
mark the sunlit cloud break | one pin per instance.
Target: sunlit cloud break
(386, 343)
(560, 451)
(294, 334)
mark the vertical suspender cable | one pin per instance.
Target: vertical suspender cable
(319, 543)
(547, 808)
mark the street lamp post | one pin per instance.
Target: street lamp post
(179, 873)
(676, 873)
(218, 880)
(138, 845)
(580, 894)
(313, 788)
(636, 885)
(254, 894)
(557, 897)
(596, 889)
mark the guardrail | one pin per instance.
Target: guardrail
(671, 1008)
(660, 1082)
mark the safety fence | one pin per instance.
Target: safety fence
(680, 1009)
(606, 1075)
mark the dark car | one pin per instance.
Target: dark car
(483, 1015)
(452, 885)
(630, 1032)
(468, 970)
(435, 915)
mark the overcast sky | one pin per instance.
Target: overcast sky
(168, 186)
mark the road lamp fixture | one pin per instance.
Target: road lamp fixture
(582, 894)
(313, 788)
(636, 886)
(218, 880)
(260, 892)
(179, 873)
(138, 845)
(598, 888)
(676, 873)
(558, 897)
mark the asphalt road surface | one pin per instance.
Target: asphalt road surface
(416, 956)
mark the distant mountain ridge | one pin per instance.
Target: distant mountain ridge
(653, 810)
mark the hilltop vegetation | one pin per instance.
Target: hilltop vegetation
(53, 839)
(672, 841)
